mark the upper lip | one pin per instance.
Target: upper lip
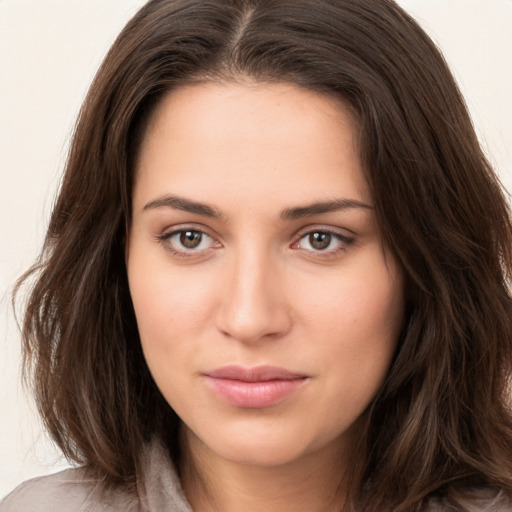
(254, 374)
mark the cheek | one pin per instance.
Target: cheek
(360, 315)
(165, 297)
(171, 307)
(362, 303)
(357, 348)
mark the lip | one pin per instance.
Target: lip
(254, 388)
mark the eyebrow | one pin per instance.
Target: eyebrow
(299, 212)
(186, 205)
(322, 207)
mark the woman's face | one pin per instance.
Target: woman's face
(267, 304)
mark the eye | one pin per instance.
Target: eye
(323, 241)
(189, 239)
(185, 242)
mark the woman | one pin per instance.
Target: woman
(276, 274)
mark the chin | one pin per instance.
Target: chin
(262, 454)
(264, 447)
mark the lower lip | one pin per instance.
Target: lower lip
(254, 395)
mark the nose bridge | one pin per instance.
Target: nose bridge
(254, 305)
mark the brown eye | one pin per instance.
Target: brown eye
(324, 242)
(188, 243)
(190, 239)
(319, 241)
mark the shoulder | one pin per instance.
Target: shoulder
(68, 491)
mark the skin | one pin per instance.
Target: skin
(259, 289)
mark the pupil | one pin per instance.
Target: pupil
(320, 240)
(190, 239)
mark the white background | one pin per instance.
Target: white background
(49, 52)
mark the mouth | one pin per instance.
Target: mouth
(254, 388)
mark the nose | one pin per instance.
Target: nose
(253, 306)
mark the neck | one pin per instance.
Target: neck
(311, 483)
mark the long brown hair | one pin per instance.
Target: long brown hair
(442, 423)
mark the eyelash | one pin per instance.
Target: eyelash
(165, 240)
(344, 242)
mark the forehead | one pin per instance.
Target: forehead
(251, 137)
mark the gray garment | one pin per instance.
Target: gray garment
(158, 490)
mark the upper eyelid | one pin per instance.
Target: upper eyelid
(306, 230)
(171, 230)
(165, 238)
(345, 239)
(342, 232)
(341, 238)
(166, 234)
